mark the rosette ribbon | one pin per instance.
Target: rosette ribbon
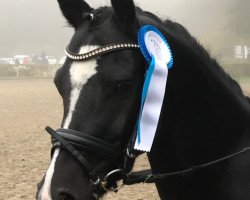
(157, 52)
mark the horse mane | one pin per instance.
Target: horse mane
(153, 16)
(181, 34)
(210, 64)
(193, 45)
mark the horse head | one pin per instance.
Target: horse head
(101, 95)
(204, 116)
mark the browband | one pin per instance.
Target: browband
(99, 51)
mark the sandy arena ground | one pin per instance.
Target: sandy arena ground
(26, 107)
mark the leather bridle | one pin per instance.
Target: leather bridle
(72, 141)
(100, 51)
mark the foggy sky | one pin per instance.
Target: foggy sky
(30, 26)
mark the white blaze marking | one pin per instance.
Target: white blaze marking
(45, 191)
(80, 72)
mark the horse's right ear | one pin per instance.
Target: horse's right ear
(125, 11)
(73, 11)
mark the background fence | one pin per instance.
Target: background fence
(32, 70)
(236, 70)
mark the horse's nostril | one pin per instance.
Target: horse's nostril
(65, 196)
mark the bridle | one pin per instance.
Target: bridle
(100, 51)
(72, 141)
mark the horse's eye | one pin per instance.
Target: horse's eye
(122, 86)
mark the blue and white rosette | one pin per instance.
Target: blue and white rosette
(157, 52)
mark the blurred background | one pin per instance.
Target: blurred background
(33, 35)
(34, 32)
(30, 27)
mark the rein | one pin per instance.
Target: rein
(129, 178)
(71, 141)
(146, 176)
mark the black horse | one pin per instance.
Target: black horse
(205, 115)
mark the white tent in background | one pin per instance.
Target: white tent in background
(241, 51)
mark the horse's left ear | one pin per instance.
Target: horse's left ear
(125, 11)
(73, 11)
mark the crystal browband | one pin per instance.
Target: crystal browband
(99, 51)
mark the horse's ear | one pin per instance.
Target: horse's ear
(73, 11)
(125, 11)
